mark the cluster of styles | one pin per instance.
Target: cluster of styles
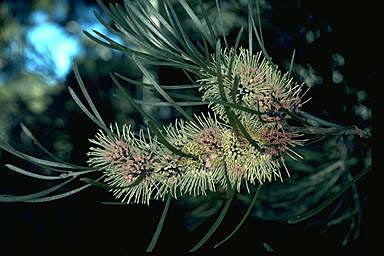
(218, 156)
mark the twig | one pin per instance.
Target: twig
(353, 130)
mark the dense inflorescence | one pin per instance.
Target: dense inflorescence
(140, 168)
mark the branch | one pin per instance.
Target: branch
(352, 130)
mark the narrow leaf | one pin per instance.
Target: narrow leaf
(218, 71)
(184, 39)
(235, 87)
(330, 200)
(42, 148)
(167, 104)
(102, 185)
(267, 247)
(259, 20)
(86, 111)
(317, 121)
(197, 21)
(86, 95)
(35, 175)
(32, 159)
(165, 87)
(211, 30)
(96, 183)
(37, 143)
(292, 61)
(220, 17)
(14, 198)
(250, 207)
(237, 123)
(116, 203)
(215, 225)
(259, 40)
(220, 102)
(144, 114)
(163, 141)
(159, 226)
(161, 91)
(233, 53)
(250, 34)
(59, 196)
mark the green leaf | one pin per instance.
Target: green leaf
(116, 203)
(147, 20)
(234, 121)
(220, 102)
(105, 8)
(184, 39)
(144, 114)
(86, 95)
(159, 226)
(59, 196)
(108, 42)
(237, 123)
(42, 148)
(330, 200)
(167, 104)
(258, 36)
(35, 175)
(218, 71)
(153, 11)
(215, 225)
(259, 20)
(14, 198)
(267, 247)
(197, 21)
(291, 64)
(165, 87)
(161, 91)
(36, 142)
(86, 111)
(233, 53)
(105, 24)
(235, 87)
(96, 183)
(32, 159)
(220, 17)
(250, 34)
(211, 30)
(250, 207)
(316, 121)
(163, 141)
(148, 34)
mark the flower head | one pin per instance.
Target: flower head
(261, 87)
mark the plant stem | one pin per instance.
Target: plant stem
(318, 121)
(354, 130)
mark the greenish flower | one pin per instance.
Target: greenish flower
(261, 87)
(133, 165)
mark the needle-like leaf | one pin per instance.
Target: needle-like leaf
(215, 225)
(159, 226)
(330, 200)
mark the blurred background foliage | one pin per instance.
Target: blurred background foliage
(39, 39)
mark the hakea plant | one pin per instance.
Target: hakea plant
(254, 120)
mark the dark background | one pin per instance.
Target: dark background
(334, 44)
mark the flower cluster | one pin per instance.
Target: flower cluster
(261, 87)
(139, 168)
